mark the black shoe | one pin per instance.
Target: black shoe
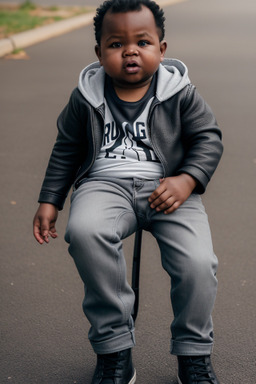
(115, 368)
(196, 370)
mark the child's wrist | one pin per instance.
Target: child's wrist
(190, 180)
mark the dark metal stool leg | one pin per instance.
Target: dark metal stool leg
(136, 271)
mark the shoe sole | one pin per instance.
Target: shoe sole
(133, 379)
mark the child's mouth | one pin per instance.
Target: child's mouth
(131, 67)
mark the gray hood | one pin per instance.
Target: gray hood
(172, 78)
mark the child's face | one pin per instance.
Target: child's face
(130, 50)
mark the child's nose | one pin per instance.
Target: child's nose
(130, 51)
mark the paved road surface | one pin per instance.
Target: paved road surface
(43, 331)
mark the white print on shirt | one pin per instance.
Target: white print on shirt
(127, 141)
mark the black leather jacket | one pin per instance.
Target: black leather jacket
(183, 131)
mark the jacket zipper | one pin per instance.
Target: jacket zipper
(80, 178)
(157, 152)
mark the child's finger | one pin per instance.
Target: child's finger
(166, 204)
(52, 231)
(53, 234)
(45, 228)
(157, 192)
(172, 208)
(161, 200)
(37, 233)
(38, 236)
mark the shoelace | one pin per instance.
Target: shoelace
(110, 364)
(201, 369)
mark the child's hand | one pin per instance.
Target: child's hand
(44, 223)
(172, 192)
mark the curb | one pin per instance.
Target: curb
(27, 38)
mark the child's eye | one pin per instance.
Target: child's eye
(143, 43)
(116, 45)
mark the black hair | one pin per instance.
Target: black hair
(118, 6)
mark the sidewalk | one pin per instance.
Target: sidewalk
(34, 36)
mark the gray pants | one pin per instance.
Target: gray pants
(105, 211)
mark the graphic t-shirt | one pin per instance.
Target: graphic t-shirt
(126, 149)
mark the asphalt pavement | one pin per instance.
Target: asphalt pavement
(43, 330)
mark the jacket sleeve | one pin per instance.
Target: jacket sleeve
(201, 138)
(66, 155)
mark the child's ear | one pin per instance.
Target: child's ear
(98, 52)
(163, 47)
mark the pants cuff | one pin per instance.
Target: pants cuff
(118, 343)
(180, 348)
